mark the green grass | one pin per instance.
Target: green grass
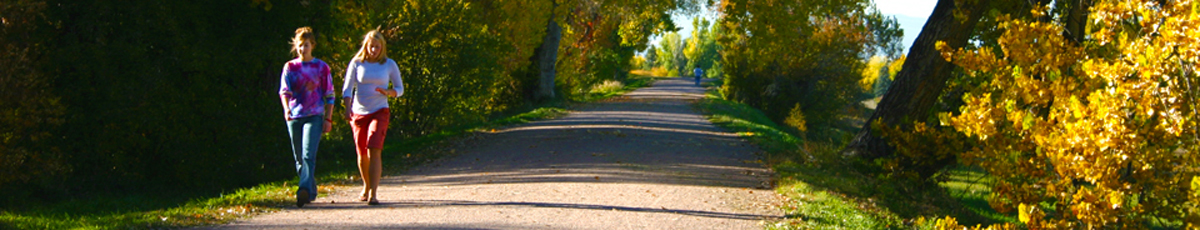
(970, 187)
(141, 211)
(826, 190)
(611, 88)
(816, 197)
(175, 209)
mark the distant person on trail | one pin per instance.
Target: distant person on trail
(699, 72)
(366, 89)
(306, 90)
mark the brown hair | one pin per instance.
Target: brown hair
(303, 34)
(376, 36)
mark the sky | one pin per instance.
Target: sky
(910, 13)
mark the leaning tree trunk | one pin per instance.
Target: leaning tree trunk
(921, 80)
(547, 56)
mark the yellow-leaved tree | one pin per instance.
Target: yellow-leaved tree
(1092, 131)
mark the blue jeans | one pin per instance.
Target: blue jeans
(306, 134)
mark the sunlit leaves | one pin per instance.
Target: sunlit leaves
(776, 54)
(1087, 133)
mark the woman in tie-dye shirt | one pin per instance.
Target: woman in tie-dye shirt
(306, 90)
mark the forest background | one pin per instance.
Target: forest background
(1079, 112)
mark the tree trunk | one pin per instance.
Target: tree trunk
(1077, 20)
(547, 58)
(921, 80)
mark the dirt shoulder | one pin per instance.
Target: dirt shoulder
(645, 160)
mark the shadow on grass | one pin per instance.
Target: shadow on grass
(827, 190)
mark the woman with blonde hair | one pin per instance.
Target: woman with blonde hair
(306, 91)
(366, 90)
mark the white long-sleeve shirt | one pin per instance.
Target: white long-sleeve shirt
(361, 80)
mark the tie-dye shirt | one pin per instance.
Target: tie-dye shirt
(307, 86)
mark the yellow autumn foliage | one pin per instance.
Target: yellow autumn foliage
(870, 75)
(1100, 133)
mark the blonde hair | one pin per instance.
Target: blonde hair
(303, 34)
(377, 37)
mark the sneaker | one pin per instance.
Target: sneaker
(301, 198)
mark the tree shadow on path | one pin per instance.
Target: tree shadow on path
(652, 135)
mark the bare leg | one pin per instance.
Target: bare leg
(376, 170)
(364, 170)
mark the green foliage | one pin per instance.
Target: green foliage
(599, 40)
(808, 53)
(651, 58)
(701, 48)
(153, 92)
(29, 111)
(670, 54)
(449, 60)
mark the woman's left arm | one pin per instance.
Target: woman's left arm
(397, 82)
(327, 86)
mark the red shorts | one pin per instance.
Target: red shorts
(370, 129)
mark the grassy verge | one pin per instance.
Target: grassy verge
(825, 190)
(175, 209)
(611, 88)
(970, 187)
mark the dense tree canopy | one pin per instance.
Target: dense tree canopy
(140, 95)
(701, 48)
(787, 57)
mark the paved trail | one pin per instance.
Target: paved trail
(645, 160)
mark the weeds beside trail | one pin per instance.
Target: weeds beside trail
(828, 191)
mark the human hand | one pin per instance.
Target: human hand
(328, 127)
(387, 92)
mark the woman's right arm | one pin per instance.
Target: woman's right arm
(351, 82)
(285, 93)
